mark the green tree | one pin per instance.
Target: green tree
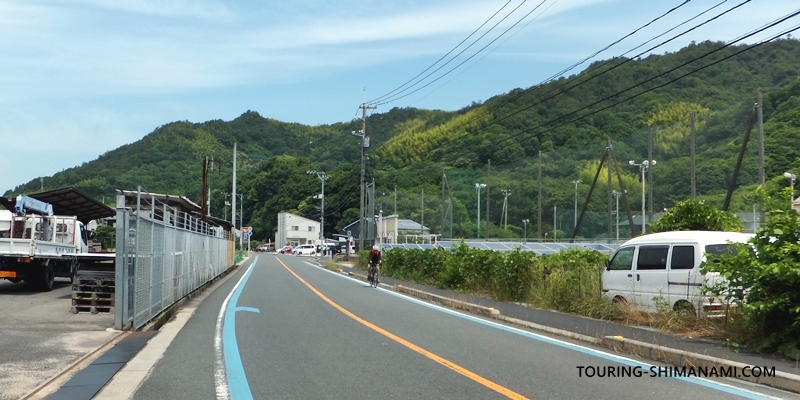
(765, 275)
(697, 215)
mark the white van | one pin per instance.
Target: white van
(665, 267)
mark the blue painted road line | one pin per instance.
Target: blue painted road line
(582, 349)
(237, 379)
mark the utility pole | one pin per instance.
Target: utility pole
(478, 187)
(203, 190)
(422, 214)
(506, 192)
(322, 177)
(233, 196)
(488, 183)
(576, 202)
(364, 144)
(539, 205)
(616, 194)
(691, 151)
(650, 170)
(610, 189)
(555, 221)
(760, 140)
(444, 176)
(395, 200)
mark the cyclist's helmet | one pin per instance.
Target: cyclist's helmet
(375, 247)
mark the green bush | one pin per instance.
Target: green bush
(766, 282)
(696, 215)
(557, 281)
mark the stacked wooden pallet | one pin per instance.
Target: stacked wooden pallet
(93, 294)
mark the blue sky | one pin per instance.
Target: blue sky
(81, 77)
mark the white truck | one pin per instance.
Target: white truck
(37, 246)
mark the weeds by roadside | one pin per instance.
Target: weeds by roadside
(569, 281)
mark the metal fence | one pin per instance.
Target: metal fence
(163, 254)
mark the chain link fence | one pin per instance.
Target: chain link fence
(163, 254)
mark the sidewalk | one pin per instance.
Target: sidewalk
(635, 337)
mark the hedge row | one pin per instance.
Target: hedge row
(555, 280)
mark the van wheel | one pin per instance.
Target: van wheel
(619, 300)
(683, 307)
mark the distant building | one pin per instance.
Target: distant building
(294, 230)
(391, 229)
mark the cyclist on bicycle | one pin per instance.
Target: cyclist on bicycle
(375, 263)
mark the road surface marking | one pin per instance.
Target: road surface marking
(746, 393)
(449, 364)
(230, 379)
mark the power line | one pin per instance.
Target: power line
(527, 130)
(490, 51)
(615, 66)
(564, 88)
(377, 99)
(398, 96)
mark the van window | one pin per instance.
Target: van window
(682, 257)
(720, 249)
(622, 260)
(652, 257)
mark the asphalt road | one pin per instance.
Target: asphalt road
(40, 337)
(284, 329)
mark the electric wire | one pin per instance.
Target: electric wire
(398, 96)
(487, 54)
(575, 65)
(617, 65)
(748, 48)
(377, 99)
(578, 82)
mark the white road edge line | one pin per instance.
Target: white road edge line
(126, 382)
(223, 391)
(583, 349)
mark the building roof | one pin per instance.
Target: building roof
(409, 225)
(298, 216)
(402, 224)
(180, 202)
(70, 201)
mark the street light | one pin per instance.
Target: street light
(323, 177)
(525, 230)
(792, 178)
(643, 167)
(576, 202)
(478, 187)
(617, 194)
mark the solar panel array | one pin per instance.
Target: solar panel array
(538, 248)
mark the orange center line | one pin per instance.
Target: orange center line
(449, 364)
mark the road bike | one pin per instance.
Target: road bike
(373, 275)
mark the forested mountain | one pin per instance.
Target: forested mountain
(569, 120)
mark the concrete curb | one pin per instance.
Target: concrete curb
(670, 356)
(680, 358)
(49, 387)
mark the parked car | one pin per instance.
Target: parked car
(286, 250)
(265, 247)
(666, 266)
(305, 250)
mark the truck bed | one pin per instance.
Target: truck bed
(12, 247)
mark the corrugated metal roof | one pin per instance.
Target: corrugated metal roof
(409, 225)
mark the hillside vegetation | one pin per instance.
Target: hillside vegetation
(568, 120)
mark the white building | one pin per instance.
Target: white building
(294, 230)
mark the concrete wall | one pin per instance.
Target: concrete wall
(295, 230)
